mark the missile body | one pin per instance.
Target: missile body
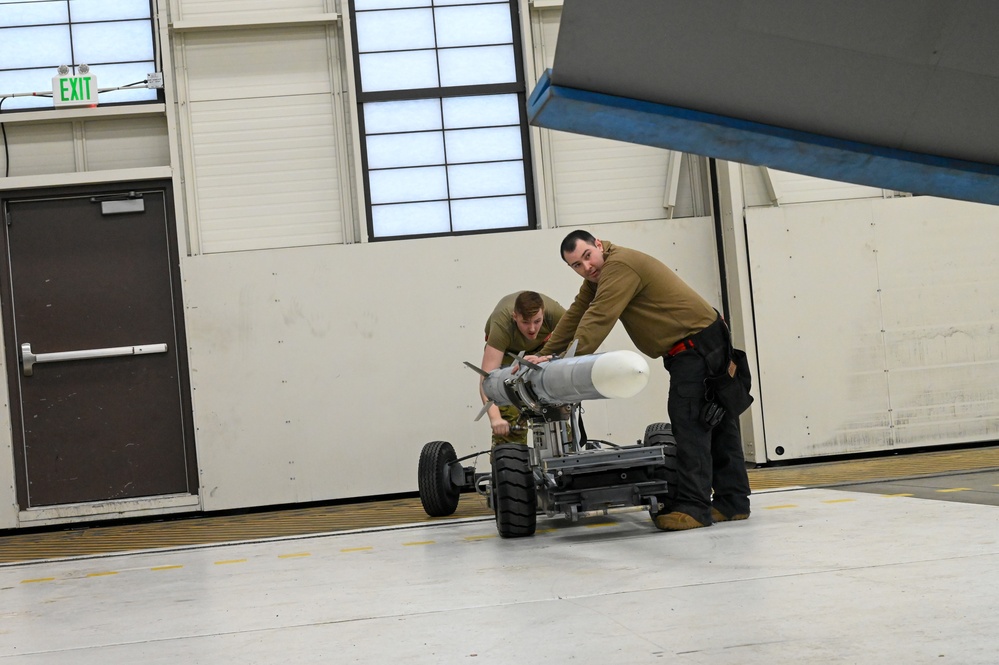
(614, 374)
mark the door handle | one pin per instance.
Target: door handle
(28, 359)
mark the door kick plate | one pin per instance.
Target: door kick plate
(28, 359)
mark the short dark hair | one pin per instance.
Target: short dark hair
(569, 242)
(528, 304)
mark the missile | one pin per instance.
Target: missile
(609, 375)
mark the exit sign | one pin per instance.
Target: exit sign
(74, 90)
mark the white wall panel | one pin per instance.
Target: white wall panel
(320, 372)
(40, 149)
(106, 143)
(876, 324)
(598, 180)
(266, 173)
(190, 10)
(122, 143)
(940, 294)
(822, 384)
(797, 188)
(262, 135)
(257, 63)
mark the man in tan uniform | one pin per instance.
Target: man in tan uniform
(521, 321)
(667, 319)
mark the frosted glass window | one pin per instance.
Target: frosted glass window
(477, 66)
(41, 46)
(23, 80)
(360, 5)
(129, 72)
(32, 13)
(393, 150)
(397, 185)
(487, 214)
(442, 102)
(483, 145)
(114, 37)
(398, 71)
(483, 111)
(492, 179)
(111, 42)
(468, 26)
(108, 10)
(410, 219)
(395, 31)
(406, 116)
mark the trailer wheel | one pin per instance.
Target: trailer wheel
(657, 434)
(515, 496)
(438, 494)
(661, 434)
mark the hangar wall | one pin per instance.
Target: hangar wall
(304, 391)
(876, 324)
(321, 363)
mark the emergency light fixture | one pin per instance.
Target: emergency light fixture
(74, 90)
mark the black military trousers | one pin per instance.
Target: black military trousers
(708, 461)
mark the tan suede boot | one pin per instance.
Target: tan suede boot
(677, 522)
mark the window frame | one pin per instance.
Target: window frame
(518, 88)
(160, 95)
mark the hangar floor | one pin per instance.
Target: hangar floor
(867, 561)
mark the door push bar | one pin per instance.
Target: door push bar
(28, 359)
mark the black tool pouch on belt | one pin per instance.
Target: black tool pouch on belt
(731, 392)
(724, 392)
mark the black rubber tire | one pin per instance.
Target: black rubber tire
(515, 495)
(657, 434)
(661, 434)
(438, 494)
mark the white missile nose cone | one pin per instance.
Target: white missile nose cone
(618, 374)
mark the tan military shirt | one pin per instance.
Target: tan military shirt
(655, 306)
(502, 332)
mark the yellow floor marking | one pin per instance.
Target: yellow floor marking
(839, 501)
(221, 563)
(902, 494)
(544, 530)
(420, 542)
(601, 524)
(294, 555)
(480, 537)
(786, 505)
(103, 574)
(357, 549)
(173, 567)
(40, 579)
(956, 489)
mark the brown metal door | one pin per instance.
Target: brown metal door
(96, 275)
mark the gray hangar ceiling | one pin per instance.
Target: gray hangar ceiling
(898, 94)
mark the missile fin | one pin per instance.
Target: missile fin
(476, 369)
(572, 349)
(482, 412)
(519, 358)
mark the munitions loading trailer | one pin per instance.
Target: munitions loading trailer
(561, 472)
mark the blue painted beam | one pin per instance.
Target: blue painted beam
(746, 142)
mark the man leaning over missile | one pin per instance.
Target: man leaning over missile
(667, 319)
(521, 321)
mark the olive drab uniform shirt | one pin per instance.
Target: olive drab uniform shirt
(502, 332)
(655, 306)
